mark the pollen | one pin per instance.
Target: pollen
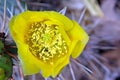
(45, 42)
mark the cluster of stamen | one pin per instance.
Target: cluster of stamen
(45, 42)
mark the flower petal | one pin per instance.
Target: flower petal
(30, 64)
(79, 39)
(17, 28)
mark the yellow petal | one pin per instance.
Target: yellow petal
(18, 28)
(30, 64)
(79, 39)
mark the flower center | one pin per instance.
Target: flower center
(45, 42)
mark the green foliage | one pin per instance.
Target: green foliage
(1, 46)
(6, 65)
(2, 74)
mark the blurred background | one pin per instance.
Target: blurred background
(101, 20)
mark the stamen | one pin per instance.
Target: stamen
(46, 42)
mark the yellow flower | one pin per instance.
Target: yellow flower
(46, 40)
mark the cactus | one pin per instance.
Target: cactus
(5, 66)
(2, 74)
